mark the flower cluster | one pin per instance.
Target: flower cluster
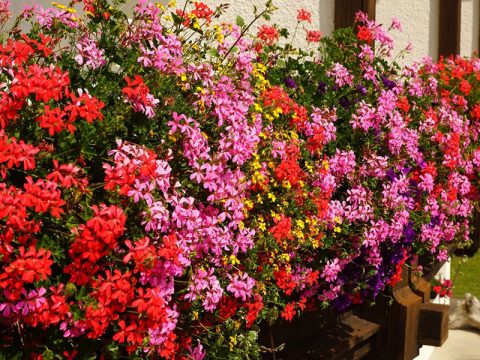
(167, 182)
(443, 288)
(366, 166)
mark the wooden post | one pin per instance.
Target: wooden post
(345, 11)
(449, 27)
(433, 324)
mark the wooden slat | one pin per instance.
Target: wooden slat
(449, 27)
(352, 338)
(345, 11)
(369, 6)
(433, 324)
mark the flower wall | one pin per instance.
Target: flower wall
(169, 181)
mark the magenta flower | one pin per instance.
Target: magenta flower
(241, 286)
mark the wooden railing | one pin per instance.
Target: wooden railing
(394, 328)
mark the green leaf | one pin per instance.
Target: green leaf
(240, 21)
(284, 32)
(213, 52)
(266, 16)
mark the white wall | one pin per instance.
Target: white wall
(419, 19)
(469, 31)
(285, 16)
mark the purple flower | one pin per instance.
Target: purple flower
(409, 233)
(391, 174)
(341, 303)
(344, 102)
(322, 88)
(362, 89)
(289, 82)
(389, 84)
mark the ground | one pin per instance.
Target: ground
(467, 278)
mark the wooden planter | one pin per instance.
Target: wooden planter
(394, 328)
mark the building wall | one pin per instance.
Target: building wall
(418, 17)
(469, 32)
(285, 15)
(419, 20)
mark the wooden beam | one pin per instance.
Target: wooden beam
(433, 324)
(369, 7)
(449, 27)
(345, 11)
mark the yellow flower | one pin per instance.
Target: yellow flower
(325, 164)
(337, 229)
(309, 168)
(261, 288)
(300, 224)
(248, 204)
(284, 257)
(234, 260)
(271, 197)
(262, 226)
(299, 235)
(233, 342)
(59, 6)
(260, 68)
(286, 184)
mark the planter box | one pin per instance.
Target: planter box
(394, 328)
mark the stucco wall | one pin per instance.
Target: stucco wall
(286, 14)
(419, 19)
(469, 30)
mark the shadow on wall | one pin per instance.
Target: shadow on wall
(476, 26)
(433, 29)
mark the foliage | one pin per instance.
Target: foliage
(169, 182)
